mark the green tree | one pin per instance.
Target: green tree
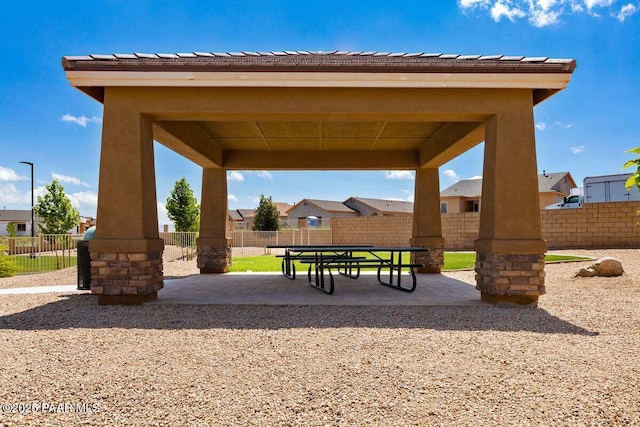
(56, 210)
(267, 217)
(634, 179)
(12, 231)
(635, 176)
(183, 208)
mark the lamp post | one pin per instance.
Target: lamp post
(33, 225)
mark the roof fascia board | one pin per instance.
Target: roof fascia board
(555, 81)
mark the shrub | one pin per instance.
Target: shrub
(8, 267)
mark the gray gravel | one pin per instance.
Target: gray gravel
(573, 360)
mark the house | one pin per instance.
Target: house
(554, 187)
(322, 209)
(21, 219)
(243, 218)
(379, 207)
(465, 196)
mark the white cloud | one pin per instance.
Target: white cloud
(541, 126)
(265, 175)
(7, 174)
(81, 121)
(543, 13)
(235, 176)
(68, 179)
(10, 196)
(500, 9)
(476, 177)
(563, 125)
(598, 3)
(232, 198)
(542, 18)
(577, 149)
(472, 3)
(398, 175)
(451, 174)
(625, 12)
(85, 201)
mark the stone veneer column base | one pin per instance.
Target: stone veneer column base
(434, 259)
(214, 259)
(511, 278)
(126, 278)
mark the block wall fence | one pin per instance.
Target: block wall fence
(595, 225)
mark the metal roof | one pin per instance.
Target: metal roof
(385, 206)
(473, 187)
(326, 205)
(300, 60)
(17, 215)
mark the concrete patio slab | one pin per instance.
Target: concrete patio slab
(275, 289)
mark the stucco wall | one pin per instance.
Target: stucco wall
(593, 225)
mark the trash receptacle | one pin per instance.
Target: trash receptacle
(84, 260)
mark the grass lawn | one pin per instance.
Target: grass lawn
(27, 264)
(452, 261)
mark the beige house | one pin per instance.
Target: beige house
(300, 110)
(466, 195)
(321, 209)
(21, 219)
(379, 207)
(243, 218)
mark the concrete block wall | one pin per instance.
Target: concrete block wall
(595, 225)
(393, 230)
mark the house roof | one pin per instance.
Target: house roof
(16, 215)
(326, 205)
(464, 188)
(318, 61)
(235, 215)
(385, 206)
(247, 213)
(282, 207)
(473, 187)
(548, 182)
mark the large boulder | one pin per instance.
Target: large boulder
(604, 267)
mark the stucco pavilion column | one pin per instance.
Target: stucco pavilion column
(427, 224)
(214, 244)
(510, 249)
(126, 256)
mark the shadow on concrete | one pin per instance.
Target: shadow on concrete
(83, 311)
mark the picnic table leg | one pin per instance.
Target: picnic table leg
(397, 285)
(319, 282)
(288, 267)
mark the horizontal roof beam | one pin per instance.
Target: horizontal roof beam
(449, 142)
(320, 160)
(190, 141)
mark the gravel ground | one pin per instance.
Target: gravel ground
(573, 360)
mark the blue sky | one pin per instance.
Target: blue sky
(584, 129)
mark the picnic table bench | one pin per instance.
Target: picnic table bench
(299, 253)
(348, 262)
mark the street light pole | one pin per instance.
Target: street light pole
(33, 225)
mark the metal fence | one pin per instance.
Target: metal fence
(182, 246)
(179, 246)
(45, 252)
(48, 252)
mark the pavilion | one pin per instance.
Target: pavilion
(299, 110)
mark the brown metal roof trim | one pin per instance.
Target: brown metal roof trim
(335, 61)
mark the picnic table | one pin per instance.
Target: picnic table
(348, 261)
